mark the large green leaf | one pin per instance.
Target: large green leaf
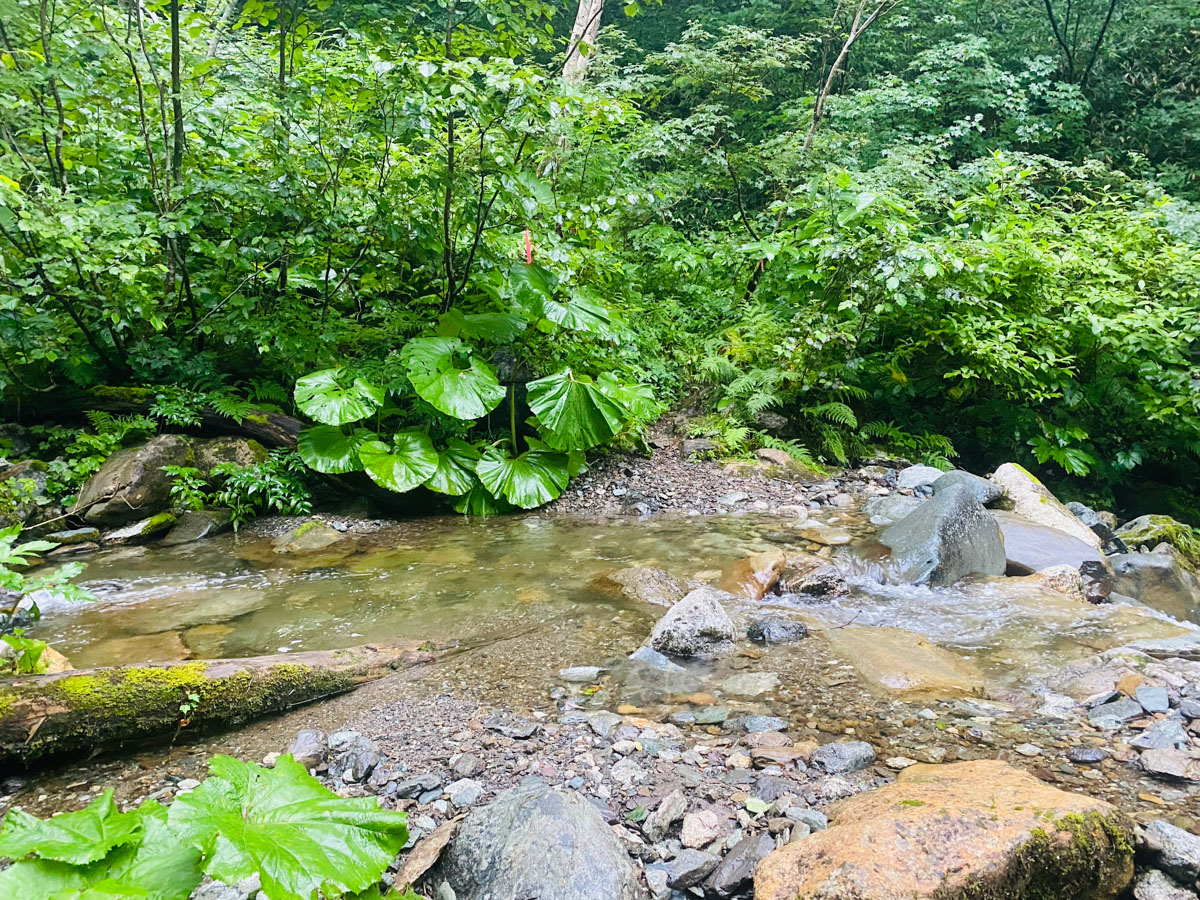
(445, 374)
(283, 824)
(478, 501)
(410, 462)
(156, 865)
(574, 412)
(637, 399)
(79, 837)
(500, 328)
(531, 285)
(532, 479)
(328, 449)
(582, 314)
(455, 473)
(334, 399)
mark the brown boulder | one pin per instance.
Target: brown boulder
(899, 663)
(979, 830)
(131, 484)
(642, 584)
(754, 576)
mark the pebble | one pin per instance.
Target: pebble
(844, 757)
(580, 674)
(1153, 699)
(669, 811)
(712, 715)
(1086, 756)
(701, 828)
(464, 792)
(690, 868)
(1028, 749)
(467, 765)
(764, 723)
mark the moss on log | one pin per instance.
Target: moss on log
(85, 710)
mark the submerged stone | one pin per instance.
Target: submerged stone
(946, 539)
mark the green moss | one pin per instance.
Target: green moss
(160, 522)
(125, 394)
(306, 528)
(259, 452)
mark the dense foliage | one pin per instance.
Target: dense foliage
(950, 231)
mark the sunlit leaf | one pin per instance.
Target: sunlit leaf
(451, 379)
(334, 399)
(328, 449)
(410, 462)
(83, 836)
(573, 411)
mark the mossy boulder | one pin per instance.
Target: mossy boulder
(1149, 531)
(131, 484)
(211, 452)
(969, 831)
(141, 531)
(1032, 500)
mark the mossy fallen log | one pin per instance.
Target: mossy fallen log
(87, 710)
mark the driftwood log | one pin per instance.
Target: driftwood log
(85, 710)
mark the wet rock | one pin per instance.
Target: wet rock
(957, 831)
(74, 536)
(776, 630)
(820, 533)
(918, 476)
(1171, 764)
(1067, 580)
(131, 484)
(649, 657)
(669, 811)
(309, 537)
(1120, 711)
(689, 868)
(893, 507)
(141, 531)
(751, 578)
(641, 584)
(751, 684)
(701, 828)
(823, 581)
(696, 626)
(844, 757)
(464, 792)
(895, 662)
(1154, 885)
(947, 538)
(580, 674)
(158, 647)
(712, 715)
(1086, 756)
(1030, 547)
(1172, 849)
(196, 525)
(986, 492)
(310, 748)
(736, 870)
(532, 841)
(1092, 520)
(1097, 581)
(1032, 500)
(1159, 581)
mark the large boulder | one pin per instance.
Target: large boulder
(697, 626)
(1030, 547)
(1147, 532)
(1159, 581)
(131, 484)
(210, 452)
(986, 492)
(899, 663)
(534, 842)
(944, 540)
(979, 830)
(641, 584)
(1032, 500)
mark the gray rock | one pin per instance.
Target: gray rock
(603, 722)
(1158, 581)
(1154, 885)
(733, 498)
(918, 476)
(751, 684)
(308, 537)
(1032, 500)
(1092, 520)
(844, 757)
(689, 868)
(947, 538)
(467, 765)
(344, 740)
(75, 536)
(711, 715)
(651, 657)
(1153, 699)
(215, 890)
(421, 784)
(131, 484)
(669, 811)
(693, 446)
(656, 881)
(1030, 547)
(359, 764)
(1190, 707)
(1086, 756)
(196, 525)
(464, 792)
(580, 674)
(310, 748)
(756, 724)
(776, 630)
(1122, 711)
(534, 842)
(1161, 735)
(736, 870)
(893, 507)
(140, 531)
(816, 821)
(986, 492)
(696, 626)
(1167, 762)
(641, 584)
(1175, 851)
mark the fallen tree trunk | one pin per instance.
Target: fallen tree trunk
(86, 710)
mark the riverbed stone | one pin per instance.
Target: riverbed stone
(1160, 735)
(697, 626)
(141, 531)
(1154, 885)
(1159, 581)
(751, 684)
(844, 757)
(701, 828)
(822, 533)
(1121, 711)
(689, 868)
(1030, 547)
(752, 577)
(669, 811)
(736, 869)
(464, 792)
(198, 524)
(918, 476)
(1151, 530)
(1032, 500)
(307, 537)
(895, 662)
(74, 536)
(1175, 851)
(310, 748)
(776, 630)
(966, 830)
(238, 451)
(641, 584)
(132, 485)
(580, 674)
(754, 724)
(892, 507)
(532, 841)
(1172, 764)
(986, 492)
(946, 539)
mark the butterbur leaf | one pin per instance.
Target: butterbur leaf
(330, 450)
(638, 399)
(410, 462)
(532, 479)
(500, 328)
(77, 837)
(479, 502)
(450, 379)
(574, 413)
(332, 398)
(581, 314)
(283, 824)
(531, 285)
(455, 473)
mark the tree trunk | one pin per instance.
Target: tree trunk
(583, 39)
(87, 710)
